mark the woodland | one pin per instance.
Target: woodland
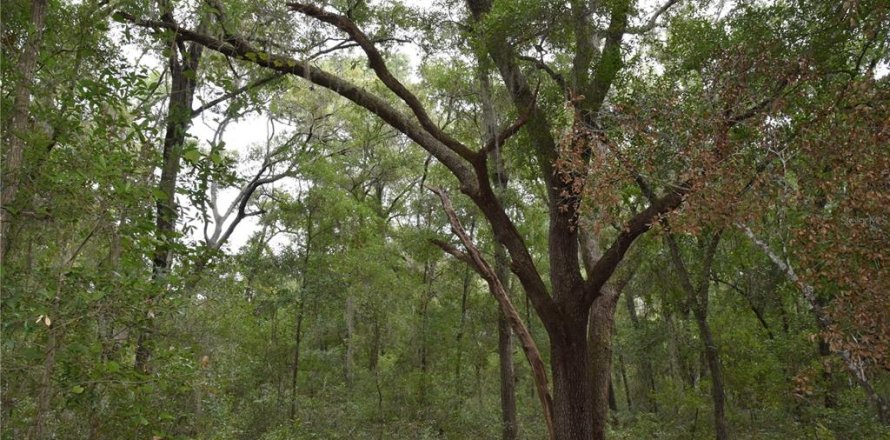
(445, 219)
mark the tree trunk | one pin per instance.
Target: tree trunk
(510, 427)
(602, 320)
(623, 371)
(501, 267)
(574, 397)
(54, 337)
(713, 360)
(184, 80)
(349, 316)
(458, 378)
(295, 367)
(18, 124)
(697, 297)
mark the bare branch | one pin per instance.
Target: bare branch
(653, 20)
(497, 289)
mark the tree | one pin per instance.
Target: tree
(732, 106)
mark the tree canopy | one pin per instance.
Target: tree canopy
(563, 219)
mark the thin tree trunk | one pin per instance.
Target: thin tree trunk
(623, 371)
(349, 316)
(510, 427)
(13, 163)
(45, 392)
(458, 378)
(646, 363)
(425, 298)
(374, 351)
(718, 394)
(697, 297)
(295, 367)
(184, 79)
(501, 266)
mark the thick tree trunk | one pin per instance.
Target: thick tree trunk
(13, 162)
(574, 415)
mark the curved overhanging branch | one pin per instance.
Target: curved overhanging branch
(378, 64)
(496, 287)
(237, 48)
(472, 174)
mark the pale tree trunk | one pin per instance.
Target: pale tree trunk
(824, 321)
(601, 330)
(18, 128)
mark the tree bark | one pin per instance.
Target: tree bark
(510, 426)
(600, 331)
(184, 80)
(13, 163)
(574, 415)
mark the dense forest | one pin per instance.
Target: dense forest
(445, 219)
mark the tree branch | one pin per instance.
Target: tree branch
(497, 289)
(236, 92)
(237, 48)
(652, 22)
(378, 64)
